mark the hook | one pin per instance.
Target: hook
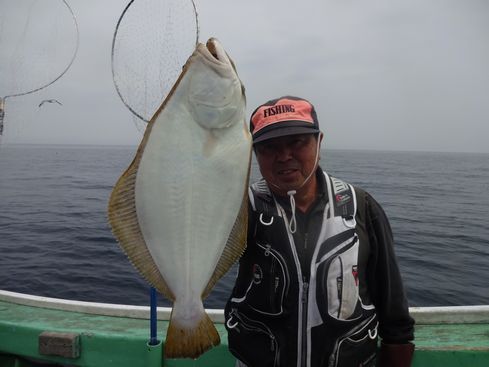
(373, 335)
(228, 324)
(265, 223)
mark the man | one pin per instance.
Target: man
(318, 282)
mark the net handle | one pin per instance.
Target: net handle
(2, 113)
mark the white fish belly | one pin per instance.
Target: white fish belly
(189, 189)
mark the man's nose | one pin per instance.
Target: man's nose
(284, 153)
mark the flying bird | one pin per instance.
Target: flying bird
(50, 101)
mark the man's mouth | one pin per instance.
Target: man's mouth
(287, 171)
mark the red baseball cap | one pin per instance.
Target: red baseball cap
(283, 116)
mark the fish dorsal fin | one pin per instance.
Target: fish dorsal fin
(125, 227)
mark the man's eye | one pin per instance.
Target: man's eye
(264, 149)
(298, 142)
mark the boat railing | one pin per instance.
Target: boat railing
(423, 315)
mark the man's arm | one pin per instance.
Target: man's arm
(396, 326)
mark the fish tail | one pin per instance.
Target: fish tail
(184, 341)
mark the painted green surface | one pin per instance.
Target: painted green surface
(104, 341)
(457, 345)
(114, 341)
(453, 337)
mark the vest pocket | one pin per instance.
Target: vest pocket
(337, 278)
(358, 347)
(269, 285)
(257, 345)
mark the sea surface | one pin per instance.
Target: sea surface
(55, 240)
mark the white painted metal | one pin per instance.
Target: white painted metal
(422, 315)
(451, 315)
(95, 308)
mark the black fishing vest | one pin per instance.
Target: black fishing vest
(275, 317)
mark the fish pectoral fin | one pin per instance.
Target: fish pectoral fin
(190, 341)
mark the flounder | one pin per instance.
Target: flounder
(179, 211)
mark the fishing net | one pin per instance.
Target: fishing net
(151, 42)
(38, 44)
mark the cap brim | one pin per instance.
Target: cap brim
(285, 131)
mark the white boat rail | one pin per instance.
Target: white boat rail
(422, 315)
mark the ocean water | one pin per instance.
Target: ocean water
(55, 240)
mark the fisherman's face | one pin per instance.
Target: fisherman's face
(286, 162)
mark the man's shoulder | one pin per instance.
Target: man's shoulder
(361, 195)
(260, 197)
(341, 183)
(260, 185)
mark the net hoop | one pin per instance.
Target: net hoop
(75, 23)
(114, 78)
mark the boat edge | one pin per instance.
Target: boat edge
(423, 315)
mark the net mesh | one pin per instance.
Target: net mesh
(151, 43)
(38, 42)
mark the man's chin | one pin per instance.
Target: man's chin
(291, 179)
(283, 187)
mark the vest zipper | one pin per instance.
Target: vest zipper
(274, 347)
(339, 285)
(278, 261)
(305, 296)
(333, 358)
(302, 316)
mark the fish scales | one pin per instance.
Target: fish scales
(180, 209)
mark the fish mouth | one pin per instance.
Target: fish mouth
(212, 47)
(217, 52)
(214, 52)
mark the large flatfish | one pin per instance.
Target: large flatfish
(179, 211)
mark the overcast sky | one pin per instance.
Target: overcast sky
(387, 74)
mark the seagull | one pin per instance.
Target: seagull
(50, 101)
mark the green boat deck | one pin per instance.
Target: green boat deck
(121, 341)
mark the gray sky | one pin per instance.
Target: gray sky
(387, 74)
